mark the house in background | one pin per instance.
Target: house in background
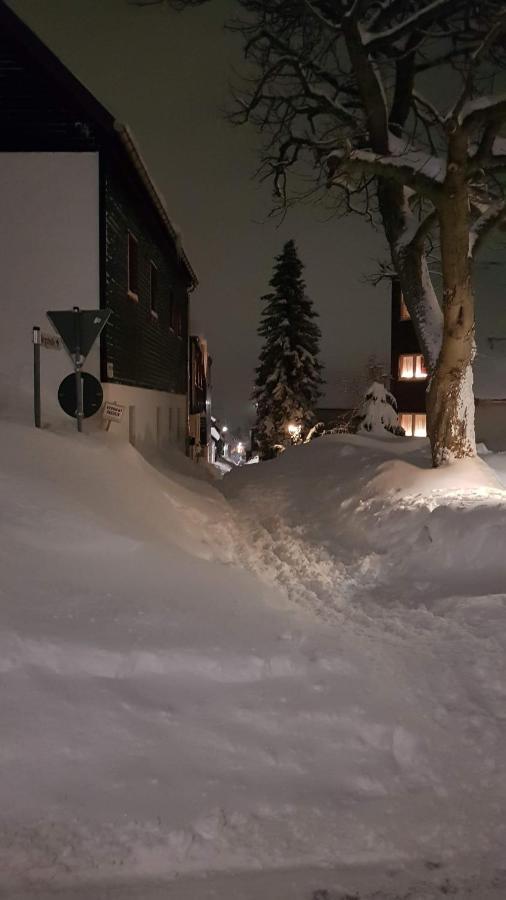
(83, 225)
(408, 372)
(200, 437)
(408, 380)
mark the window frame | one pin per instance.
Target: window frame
(419, 368)
(132, 294)
(172, 309)
(179, 323)
(153, 295)
(413, 416)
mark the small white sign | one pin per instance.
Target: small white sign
(113, 412)
(50, 341)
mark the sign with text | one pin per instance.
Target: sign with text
(50, 341)
(113, 412)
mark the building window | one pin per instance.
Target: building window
(153, 289)
(414, 424)
(412, 367)
(133, 267)
(179, 322)
(404, 314)
(172, 310)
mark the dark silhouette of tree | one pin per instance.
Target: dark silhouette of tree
(288, 377)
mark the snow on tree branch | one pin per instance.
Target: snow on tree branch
(427, 15)
(414, 169)
(482, 110)
(490, 218)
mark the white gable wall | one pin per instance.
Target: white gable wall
(49, 259)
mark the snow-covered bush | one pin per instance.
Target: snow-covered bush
(378, 412)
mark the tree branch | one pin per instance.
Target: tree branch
(418, 21)
(490, 219)
(482, 111)
(398, 169)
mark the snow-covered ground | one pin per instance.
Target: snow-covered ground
(291, 684)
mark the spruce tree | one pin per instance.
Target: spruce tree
(288, 377)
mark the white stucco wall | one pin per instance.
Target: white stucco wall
(49, 259)
(490, 420)
(152, 420)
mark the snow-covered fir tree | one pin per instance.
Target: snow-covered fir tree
(378, 412)
(289, 375)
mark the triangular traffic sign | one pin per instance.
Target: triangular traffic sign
(79, 328)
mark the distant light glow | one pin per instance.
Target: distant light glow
(224, 429)
(294, 430)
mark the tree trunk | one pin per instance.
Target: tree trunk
(450, 399)
(421, 300)
(411, 266)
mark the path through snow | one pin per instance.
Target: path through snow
(167, 714)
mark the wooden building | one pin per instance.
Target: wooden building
(84, 225)
(201, 442)
(408, 380)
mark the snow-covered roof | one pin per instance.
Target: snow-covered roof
(157, 197)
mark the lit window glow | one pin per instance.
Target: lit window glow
(412, 367)
(414, 424)
(405, 316)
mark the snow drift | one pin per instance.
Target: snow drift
(284, 682)
(374, 514)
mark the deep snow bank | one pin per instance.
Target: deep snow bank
(372, 515)
(164, 712)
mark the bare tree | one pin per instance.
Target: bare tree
(394, 106)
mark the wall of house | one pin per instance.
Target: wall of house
(49, 259)
(152, 420)
(142, 349)
(490, 421)
(410, 395)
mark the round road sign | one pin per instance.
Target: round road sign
(93, 395)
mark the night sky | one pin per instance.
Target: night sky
(165, 75)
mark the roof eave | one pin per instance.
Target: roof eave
(140, 167)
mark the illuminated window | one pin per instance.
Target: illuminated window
(414, 424)
(404, 316)
(406, 422)
(412, 367)
(420, 426)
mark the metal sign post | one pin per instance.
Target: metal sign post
(79, 330)
(77, 369)
(36, 375)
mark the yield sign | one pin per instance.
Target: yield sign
(79, 328)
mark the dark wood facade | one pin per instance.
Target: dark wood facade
(144, 346)
(198, 386)
(44, 108)
(410, 395)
